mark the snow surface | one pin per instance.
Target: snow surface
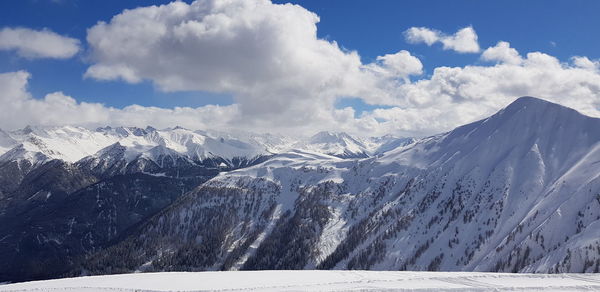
(317, 281)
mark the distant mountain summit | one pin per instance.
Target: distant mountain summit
(72, 144)
(337, 144)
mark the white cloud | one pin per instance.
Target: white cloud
(266, 55)
(284, 79)
(450, 97)
(216, 46)
(503, 53)
(463, 41)
(417, 35)
(19, 109)
(108, 72)
(457, 95)
(401, 64)
(586, 63)
(35, 44)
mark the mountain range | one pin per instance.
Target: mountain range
(516, 192)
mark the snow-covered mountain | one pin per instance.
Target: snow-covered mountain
(69, 191)
(175, 151)
(343, 145)
(65, 143)
(380, 145)
(72, 144)
(516, 192)
(337, 144)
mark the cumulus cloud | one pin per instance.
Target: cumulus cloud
(400, 64)
(463, 41)
(19, 109)
(266, 55)
(216, 45)
(285, 79)
(450, 97)
(417, 35)
(586, 63)
(503, 53)
(36, 44)
(458, 95)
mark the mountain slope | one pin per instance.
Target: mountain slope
(516, 192)
(60, 211)
(53, 210)
(66, 192)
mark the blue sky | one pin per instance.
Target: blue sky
(73, 18)
(562, 29)
(372, 28)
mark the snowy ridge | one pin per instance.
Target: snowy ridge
(72, 144)
(65, 143)
(342, 145)
(336, 144)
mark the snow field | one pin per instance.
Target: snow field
(317, 281)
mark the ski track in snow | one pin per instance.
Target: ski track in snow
(317, 281)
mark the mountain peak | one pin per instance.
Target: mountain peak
(21, 152)
(111, 152)
(27, 130)
(526, 100)
(529, 104)
(537, 117)
(557, 134)
(329, 137)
